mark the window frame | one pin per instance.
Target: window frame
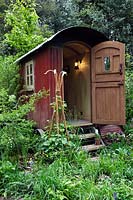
(29, 74)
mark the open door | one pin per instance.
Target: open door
(108, 99)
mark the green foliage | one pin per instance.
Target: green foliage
(7, 102)
(52, 145)
(3, 7)
(78, 178)
(129, 89)
(114, 18)
(128, 130)
(118, 19)
(16, 181)
(23, 32)
(59, 171)
(92, 17)
(16, 132)
(16, 138)
(57, 14)
(9, 77)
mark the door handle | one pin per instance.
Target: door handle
(121, 69)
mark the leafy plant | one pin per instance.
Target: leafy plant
(52, 145)
(129, 88)
(72, 176)
(56, 139)
(9, 77)
(16, 133)
(23, 32)
(13, 182)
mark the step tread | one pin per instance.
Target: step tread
(87, 135)
(92, 147)
(96, 158)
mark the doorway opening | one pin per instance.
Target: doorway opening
(77, 83)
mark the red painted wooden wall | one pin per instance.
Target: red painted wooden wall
(47, 59)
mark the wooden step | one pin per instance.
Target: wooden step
(92, 147)
(79, 123)
(87, 135)
(96, 158)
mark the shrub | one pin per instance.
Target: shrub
(9, 77)
(129, 89)
(13, 182)
(16, 133)
(53, 144)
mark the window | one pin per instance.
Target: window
(29, 75)
(107, 63)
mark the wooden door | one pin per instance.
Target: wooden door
(108, 101)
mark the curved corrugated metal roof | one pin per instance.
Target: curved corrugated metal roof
(84, 34)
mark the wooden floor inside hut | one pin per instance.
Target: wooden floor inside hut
(79, 122)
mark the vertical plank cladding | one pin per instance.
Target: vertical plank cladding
(47, 59)
(108, 96)
(56, 62)
(109, 104)
(41, 63)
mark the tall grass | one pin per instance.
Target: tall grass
(75, 178)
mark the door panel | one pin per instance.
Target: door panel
(108, 103)
(108, 62)
(108, 106)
